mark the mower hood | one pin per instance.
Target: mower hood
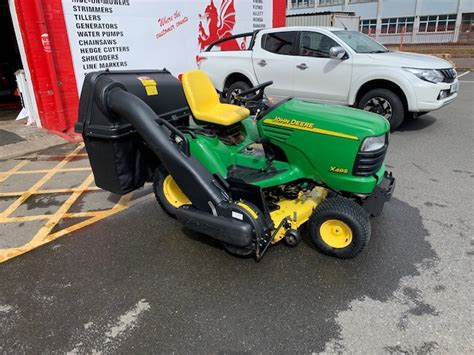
(332, 118)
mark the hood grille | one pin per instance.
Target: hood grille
(448, 74)
(368, 163)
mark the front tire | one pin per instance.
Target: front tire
(385, 103)
(340, 227)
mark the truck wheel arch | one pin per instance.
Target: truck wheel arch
(381, 84)
(234, 77)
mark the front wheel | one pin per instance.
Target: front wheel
(385, 103)
(340, 227)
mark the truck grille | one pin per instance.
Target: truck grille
(368, 163)
(449, 75)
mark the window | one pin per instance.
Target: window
(397, 25)
(279, 42)
(437, 23)
(467, 24)
(314, 44)
(360, 42)
(330, 2)
(368, 26)
(297, 4)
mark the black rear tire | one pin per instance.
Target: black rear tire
(235, 88)
(369, 102)
(158, 180)
(328, 223)
(237, 251)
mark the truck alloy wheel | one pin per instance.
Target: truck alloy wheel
(385, 103)
(379, 105)
(340, 227)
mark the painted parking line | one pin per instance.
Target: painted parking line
(50, 222)
(465, 73)
(4, 176)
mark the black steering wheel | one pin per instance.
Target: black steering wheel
(255, 102)
(259, 91)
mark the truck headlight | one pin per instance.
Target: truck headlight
(430, 75)
(371, 144)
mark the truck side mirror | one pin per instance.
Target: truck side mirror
(337, 52)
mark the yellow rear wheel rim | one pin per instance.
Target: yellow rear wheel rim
(173, 193)
(336, 233)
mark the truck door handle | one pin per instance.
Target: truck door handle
(262, 63)
(302, 66)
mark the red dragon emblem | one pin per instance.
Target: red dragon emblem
(220, 24)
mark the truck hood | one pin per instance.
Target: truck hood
(410, 60)
(332, 118)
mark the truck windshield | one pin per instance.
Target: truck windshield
(360, 42)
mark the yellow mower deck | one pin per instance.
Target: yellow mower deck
(296, 212)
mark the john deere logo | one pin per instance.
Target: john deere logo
(305, 126)
(295, 123)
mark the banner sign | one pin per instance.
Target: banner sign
(155, 34)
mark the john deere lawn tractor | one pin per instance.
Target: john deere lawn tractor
(249, 181)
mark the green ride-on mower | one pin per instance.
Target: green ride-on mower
(247, 181)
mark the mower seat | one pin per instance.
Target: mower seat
(204, 102)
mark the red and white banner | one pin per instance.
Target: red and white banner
(155, 34)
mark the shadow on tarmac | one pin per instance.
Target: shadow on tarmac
(201, 298)
(417, 124)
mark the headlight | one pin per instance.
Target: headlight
(371, 144)
(430, 75)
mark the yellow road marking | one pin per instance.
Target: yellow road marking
(98, 217)
(39, 184)
(37, 217)
(121, 205)
(44, 235)
(46, 229)
(24, 218)
(51, 191)
(25, 172)
(5, 175)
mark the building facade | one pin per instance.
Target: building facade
(393, 21)
(60, 41)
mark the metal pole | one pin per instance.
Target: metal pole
(458, 22)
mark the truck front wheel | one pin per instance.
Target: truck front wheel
(385, 103)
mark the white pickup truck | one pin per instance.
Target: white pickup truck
(334, 65)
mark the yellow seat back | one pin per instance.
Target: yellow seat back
(204, 103)
(199, 91)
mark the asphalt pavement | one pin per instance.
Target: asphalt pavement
(137, 282)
